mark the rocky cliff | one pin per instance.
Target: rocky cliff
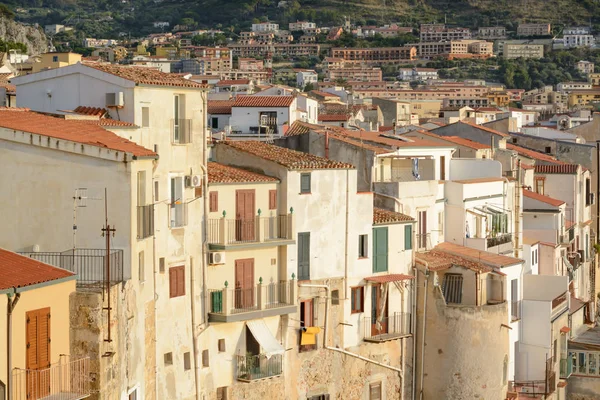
(31, 36)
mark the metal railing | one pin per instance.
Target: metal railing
(241, 230)
(275, 227)
(499, 239)
(390, 327)
(423, 241)
(145, 221)
(253, 367)
(181, 131)
(88, 264)
(257, 297)
(528, 388)
(515, 310)
(66, 380)
(178, 215)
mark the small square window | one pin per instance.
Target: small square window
(168, 358)
(54, 58)
(304, 183)
(363, 246)
(205, 362)
(335, 297)
(221, 345)
(187, 362)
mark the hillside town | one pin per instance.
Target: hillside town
(211, 222)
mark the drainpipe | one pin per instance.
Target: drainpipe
(155, 315)
(12, 303)
(325, 346)
(426, 285)
(346, 236)
(414, 316)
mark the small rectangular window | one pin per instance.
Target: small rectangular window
(133, 395)
(215, 123)
(213, 201)
(221, 345)
(363, 246)
(168, 358)
(177, 281)
(55, 59)
(156, 191)
(305, 183)
(205, 362)
(141, 270)
(161, 265)
(187, 362)
(335, 297)
(357, 299)
(272, 199)
(145, 117)
(452, 288)
(222, 393)
(375, 391)
(408, 237)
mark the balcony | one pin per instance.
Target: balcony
(88, 264)
(566, 367)
(424, 242)
(253, 367)
(181, 131)
(396, 326)
(66, 380)
(259, 301)
(224, 233)
(501, 243)
(145, 221)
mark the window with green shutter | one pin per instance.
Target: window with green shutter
(380, 249)
(304, 183)
(216, 301)
(303, 256)
(408, 237)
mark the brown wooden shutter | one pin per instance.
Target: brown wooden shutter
(44, 337)
(213, 201)
(181, 281)
(272, 199)
(32, 340)
(172, 282)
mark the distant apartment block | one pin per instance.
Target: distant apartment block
(440, 32)
(56, 28)
(594, 78)
(301, 26)
(250, 65)
(491, 32)
(585, 67)
(376, 55)
(277, 49)
(417, 74)
(534, 30)
(577, 40)
(355, 74)
(577, 30)
(569, 86)
(92, 42)
(517, 50)
(265, 27)
(428, 50)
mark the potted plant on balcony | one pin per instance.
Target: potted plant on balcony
(248, 366)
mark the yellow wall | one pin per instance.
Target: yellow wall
(64, 59)
(227, 198)
(55, 296)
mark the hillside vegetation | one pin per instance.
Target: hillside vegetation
(105, 18)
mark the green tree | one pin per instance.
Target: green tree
(6, 12)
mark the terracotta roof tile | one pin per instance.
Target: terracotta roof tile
(146, 76)
(291, 159)
(540, 197)
(484, 257)
(382, 217)
(333, 117)
(108, 122)
(83, 110)
(263, 101)
(457, 140)
(536, 155)
(298, 128)
(20, 271)
(229, 82)
(439, 261)
(389, 278)
(222, 107)
(322, 94)
(556, 169)
(21, 119)
(221, 173)
(483, 128)
(526, 166)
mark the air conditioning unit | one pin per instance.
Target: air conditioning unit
(115, 99)
(193, 181)
(216, 258)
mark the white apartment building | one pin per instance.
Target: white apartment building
(258, 115)
(572, 41)
(303, 78)
(301, 26)
(417, 74)
(265, 27)
(157, 211)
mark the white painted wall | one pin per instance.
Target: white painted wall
(242, 118)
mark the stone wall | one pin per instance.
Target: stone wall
(583, 388)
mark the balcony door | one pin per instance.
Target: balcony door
(37, 355)
(244, 215)
(378, 308)
(244, 283)
(422, 235)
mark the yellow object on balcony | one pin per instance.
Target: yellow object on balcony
(309, 335)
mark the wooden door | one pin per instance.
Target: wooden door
(244, 215)
(376, 311)
(244, 283)
(422, 237)
(442, 168)
(380, 249)
(37, 333)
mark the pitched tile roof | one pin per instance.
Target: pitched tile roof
(322, 94)
(540, 197)
(20, 271)
(22, 119)
(483, 128)
(146, 76)
(439, 261)
(556, 169)
(221, 173)
(263, 101)
(229, 82)
(298, 128)
(83, 110)
(457, 140)
(485, 257)
(220, 106)
(526, 166)
(382, 217)
(108, 122)
(291, 159)
(333, 117)
(536, 155)
(389, 278)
